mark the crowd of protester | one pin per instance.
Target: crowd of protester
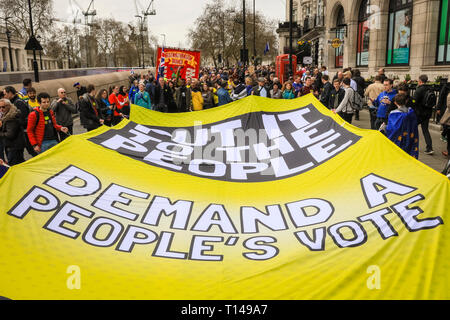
(31, 121)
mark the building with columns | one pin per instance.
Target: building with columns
(406, 37)
(22, 59)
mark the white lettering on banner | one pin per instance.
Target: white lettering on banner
(61, 182)
(64, 215)
(108, 218)
(112, 195)
(290, 143)
(376, 188)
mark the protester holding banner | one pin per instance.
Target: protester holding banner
(104, 107)
(117, 106)
(402, 127)
(383, 102)
(90, 115)
(288, 91)
(11, 132)
(183, 97)
(64, 108)
(142, 98)
(133, 90)
(275, 93)
(223, 95)
(42, 127)
(208, 97)
(124, 100)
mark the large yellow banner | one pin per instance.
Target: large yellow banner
(259, 199)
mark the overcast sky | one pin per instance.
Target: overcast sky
(173, 17)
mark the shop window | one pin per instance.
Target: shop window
(340, 32)
(362, 48)
(399, 32)
(443, 48)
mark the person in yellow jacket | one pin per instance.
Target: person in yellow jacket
(197, 98)
(214, 91)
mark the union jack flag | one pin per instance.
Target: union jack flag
(162, 65)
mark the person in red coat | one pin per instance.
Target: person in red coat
(42, 127)
(118, 114)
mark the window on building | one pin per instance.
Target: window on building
(443, 49)
(399, 32)
(362, 48)
(340, 32)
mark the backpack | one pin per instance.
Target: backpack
(429, 99)
(358, 102)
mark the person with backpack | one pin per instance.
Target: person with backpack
(42, 128)
(424, 99)
(345, 108)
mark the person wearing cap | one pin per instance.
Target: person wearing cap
(80, 90)
(260, 90)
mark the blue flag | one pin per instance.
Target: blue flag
(267, 48)
(402, 130)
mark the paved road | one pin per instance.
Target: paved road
(436, 161)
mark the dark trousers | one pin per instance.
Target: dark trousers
(424, 122)
(29, 147)
(356, 114)
(116, 120)
(64, 136)
(347, 116)
(373, 118)
(379, 122)
(14, 156)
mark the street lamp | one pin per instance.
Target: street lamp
(254, 32)
(244, 47)
(35, 65)
(141, 29)
(8, 35)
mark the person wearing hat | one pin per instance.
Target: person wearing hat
(260, 90)
(80, 90)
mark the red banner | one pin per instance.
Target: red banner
(175, 58)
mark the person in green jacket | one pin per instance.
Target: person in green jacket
(142, 98)
(288, 92)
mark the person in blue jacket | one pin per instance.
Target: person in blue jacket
(383, 102)
(402, 128)
(223, 95)
(133, 90)
(142, 98)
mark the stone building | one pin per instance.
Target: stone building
(406, 37)
(22, 59)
